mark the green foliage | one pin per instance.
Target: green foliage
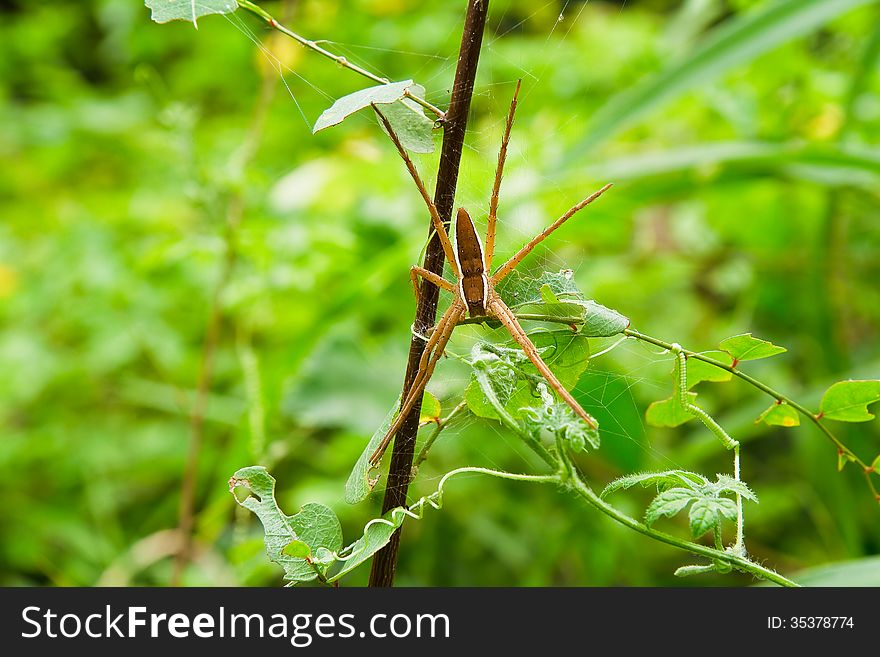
(347, 105)
(298, 543)
(360, 482)
(515, 379)
(164, 11)
(747, 202)
(412, 127)
(669, 412)
(848, 401)
(699, 371)
(679, 489)
(733, 43)
(559, 420)
(780, 415)
(556, 295)
(745, 347)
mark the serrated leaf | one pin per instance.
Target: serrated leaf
(706, 513)
(669, 412)
(780, 415)
(565, 353)
(347, 105)
(412, 127)
(164, 11)
(560, 420)
(668, 503)
(848, 401)
(698, 370)
(315, 526)
(375, 537)
(663, 480)
(359, 484)
(727, 484)
(746, 347)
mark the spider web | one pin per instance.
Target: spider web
(627, 373)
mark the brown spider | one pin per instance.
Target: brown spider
(474, 293)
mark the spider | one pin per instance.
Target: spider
(474, 290)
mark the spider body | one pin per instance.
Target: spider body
(474, 287)
(474, 282)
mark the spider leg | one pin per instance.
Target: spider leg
(430, 356)
(415, 271)
(508, 319)
(436, 221)
(508, 266)
(496, 188)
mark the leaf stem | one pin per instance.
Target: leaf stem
(580, 488)
(338, 59)
(778, 396)
(440, 426)
(482, 376)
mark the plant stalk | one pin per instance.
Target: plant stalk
(454, 128)
(338, 59)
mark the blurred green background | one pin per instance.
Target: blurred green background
(747, 197)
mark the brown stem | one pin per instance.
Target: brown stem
(455, 126)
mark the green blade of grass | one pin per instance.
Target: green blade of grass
(734, 43)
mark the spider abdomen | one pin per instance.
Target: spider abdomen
(473, 285)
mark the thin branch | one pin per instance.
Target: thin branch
(338, 59)
(778, 396)
(454, 128)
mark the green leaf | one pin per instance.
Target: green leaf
(734, 43)
(745, 347)
(699, 371)
(518, 289)
(164, 11)
(547, 294)
(555, 294)
(827, 164)
(347, 105)
(668, 503)
(375, 537)
(565, 353)
(707, 513)
(663, 480)
(570, 312)
(288, 537)
(412, 127)
(561, 421)
(669, 412)
(848, 401)
(431, 409)
(875, 464)
(780, 415)
(297, 548)
(863, 572)
(727, 484)
(359, 484)
(601, 322)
